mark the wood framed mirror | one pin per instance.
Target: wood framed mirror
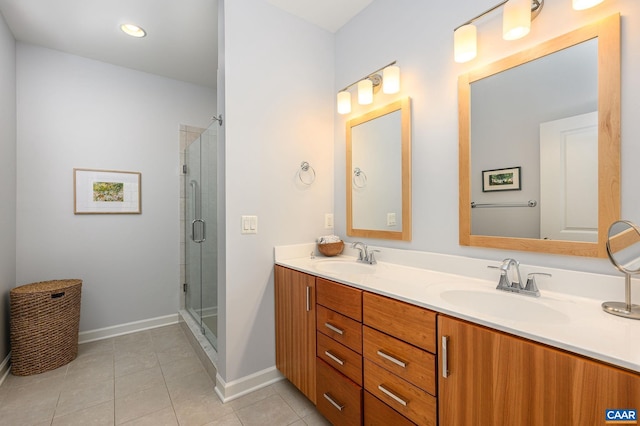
(378, 178)
(497, 103)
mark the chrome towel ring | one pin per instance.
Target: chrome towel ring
(306, 173)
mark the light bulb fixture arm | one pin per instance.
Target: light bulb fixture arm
(374, 77)
(536, 7)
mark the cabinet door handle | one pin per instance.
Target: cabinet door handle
(334, 328)
(333, 357)
(333, 402)
(308, 298)
(392, 395)
(445, 362)
(392, 359)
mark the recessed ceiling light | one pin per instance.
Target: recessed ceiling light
(133, 30)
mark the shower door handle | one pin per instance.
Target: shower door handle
(193, 231)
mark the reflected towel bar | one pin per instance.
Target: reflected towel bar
(530, 203)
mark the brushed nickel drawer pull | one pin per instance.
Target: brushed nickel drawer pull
(392, 359)
(392, 395)
(334, 328)
(333, 402)
(445, 361)
(308, 298)
(333, 357)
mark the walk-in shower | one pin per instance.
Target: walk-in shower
(201, 251)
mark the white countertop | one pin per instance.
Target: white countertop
(566, 321)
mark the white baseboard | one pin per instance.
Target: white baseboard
(5, 366)
(131, 327)
(240, 387)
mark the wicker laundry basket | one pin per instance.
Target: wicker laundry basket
(45, 318)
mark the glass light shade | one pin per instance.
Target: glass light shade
(516, 19)
(365, 92)
(133, 30)
(585, 4)
(344, 102)
(391, 79)
(465, 42)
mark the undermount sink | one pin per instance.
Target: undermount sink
(344, 267)
(506, 306)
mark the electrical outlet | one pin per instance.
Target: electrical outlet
(328, 220)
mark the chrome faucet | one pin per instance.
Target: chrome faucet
(365, 256)
(516, 286)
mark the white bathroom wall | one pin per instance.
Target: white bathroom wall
(419, 35)
(8, 179)
(79, 113)
(278, 112)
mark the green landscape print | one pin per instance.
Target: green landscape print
(501, 179)
(108, 191)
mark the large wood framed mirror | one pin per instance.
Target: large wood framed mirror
(539, 146)
(379, 173)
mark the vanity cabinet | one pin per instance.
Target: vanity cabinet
(497, 379)
(399, 361)
(339, 352)
(295, 310)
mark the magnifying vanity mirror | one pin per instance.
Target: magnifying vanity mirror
(540, 145)
(623, 249)
(379, 173)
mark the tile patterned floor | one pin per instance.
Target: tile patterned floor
(147, 378)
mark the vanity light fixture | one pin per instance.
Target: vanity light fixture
(133, 30)
(516, 23)
(585, 4)
(367, 86)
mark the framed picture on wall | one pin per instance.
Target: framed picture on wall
(106, 192)
(501, 180)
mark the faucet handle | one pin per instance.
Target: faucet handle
(372, 259)
(531, 282)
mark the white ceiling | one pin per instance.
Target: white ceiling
(181, 41)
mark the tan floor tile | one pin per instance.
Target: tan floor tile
(170, 341)
(34, 395)
(91, 360)
(296, 399)
(83, 376)
(253, 397)
(228, 420)
(316, 419)
(273, 411)
(35, 415)
(136, 382)
(201, 410)
(78, 398)
(182, 367)
(176, 352)
(98, 415)
(99, 346)
(134, 363)
(17, 381)
(165, 417)
(141, 403)
(192, 386)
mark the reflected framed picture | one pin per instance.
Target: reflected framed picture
(106, 192)
(501, 180)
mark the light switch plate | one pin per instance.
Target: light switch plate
(328, 220)
(249, 225)
(391, 219)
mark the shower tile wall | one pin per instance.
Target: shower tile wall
(188, 134)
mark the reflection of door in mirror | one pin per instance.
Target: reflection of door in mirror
(507, 111)
(379, 173)
(568, 178)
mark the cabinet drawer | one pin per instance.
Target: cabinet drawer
(409, 400)
(340, 328)
(377, 413)
(340, 298)
(407, 322)
(338, 398)
(410, 363)
(340, 357)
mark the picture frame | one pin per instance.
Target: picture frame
(501, 180)
(106, 192)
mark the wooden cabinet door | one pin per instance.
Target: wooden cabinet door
(498, 379)
(296, 328)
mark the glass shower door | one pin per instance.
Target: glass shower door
(201, 258)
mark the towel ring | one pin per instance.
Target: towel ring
(359, 178)
(306, 169)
